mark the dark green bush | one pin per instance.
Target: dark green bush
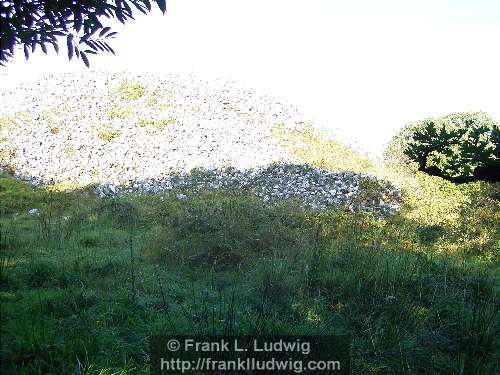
(461, 147)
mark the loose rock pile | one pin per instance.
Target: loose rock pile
(312, 187)
(146, 133)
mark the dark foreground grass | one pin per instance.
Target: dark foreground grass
(86, 283)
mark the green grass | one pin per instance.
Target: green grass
(309, 146)
(85, 284)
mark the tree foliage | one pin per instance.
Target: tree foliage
(81, 23)
(461, 147)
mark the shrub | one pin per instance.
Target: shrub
(461, 147)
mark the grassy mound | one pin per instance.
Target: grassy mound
(86, 281)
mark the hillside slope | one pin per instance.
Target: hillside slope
(88, 274)
(145, 133)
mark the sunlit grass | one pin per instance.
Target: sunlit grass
(309, 146)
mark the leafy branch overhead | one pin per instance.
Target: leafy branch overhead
(459, 148)
(81, 23)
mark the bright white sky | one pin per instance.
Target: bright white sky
(362, 67)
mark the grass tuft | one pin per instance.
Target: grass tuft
(108, 133)
(130, 91)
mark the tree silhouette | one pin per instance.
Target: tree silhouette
(459, 148)
(33, 23)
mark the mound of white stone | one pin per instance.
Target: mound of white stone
(145, 133)
(309, 186)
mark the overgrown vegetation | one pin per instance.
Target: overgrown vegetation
(86, 281)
